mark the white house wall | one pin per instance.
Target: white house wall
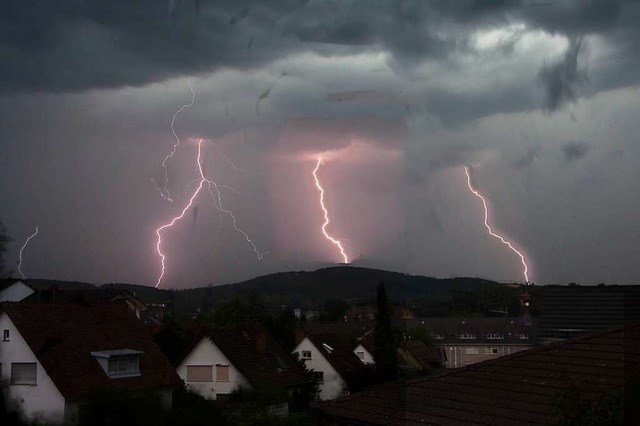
(42, 401)
(207, 353)
(333, 385)
(368, 358)
(15, 292)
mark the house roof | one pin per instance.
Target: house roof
(259, 358)
(340, 356)
(62, 337)
(93, 295)
(587, 308)
(451, 329)
(8, 282)
(425, 355)
(518, 389)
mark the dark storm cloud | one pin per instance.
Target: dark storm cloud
(69, 46)
(573, 150)
(561, 78)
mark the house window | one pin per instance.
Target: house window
(123, 366)
(524, 336)
(24, 373)
(319, 376)
(306, 354)
(222, 373)
(472, 350)
(5, 335)
(467, 336)
(491, 351)
(495, 336)
(440, 336)
(199, 373)
(360, 355)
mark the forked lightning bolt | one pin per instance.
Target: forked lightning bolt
(337, 243)
(164, 192)
(211, 186)
(493, 234)
(22, 249)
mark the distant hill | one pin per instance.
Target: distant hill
(306, 289)
(311, 288)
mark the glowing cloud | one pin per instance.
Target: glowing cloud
(493, 234)
(337, 243)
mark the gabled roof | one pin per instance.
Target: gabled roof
(518, 389)
(426, 356)
(340, 356)
(8, 282)
(259, 358)
(62, 337)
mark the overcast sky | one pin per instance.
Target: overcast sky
(539, 98)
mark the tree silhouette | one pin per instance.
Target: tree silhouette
(385, 339)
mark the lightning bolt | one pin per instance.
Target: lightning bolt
(164, 192)
(493, 234)
(214, 189)
(337, 243)
(22, 249)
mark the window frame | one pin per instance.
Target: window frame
(6, 335)
(228, 367)
(210, 366)
(24, 383)
(302, 354)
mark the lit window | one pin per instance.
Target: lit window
(222, 373)
(306, 354)
(5, 335)
(199, 373)
(491, 351)
(495, 336)
(24, 373)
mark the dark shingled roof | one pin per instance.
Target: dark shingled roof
(62, 336)
(427, 356)
(519, 389)
(256, 355)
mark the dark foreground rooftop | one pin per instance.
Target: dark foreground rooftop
(521, 389)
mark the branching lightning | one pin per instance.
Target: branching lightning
(493, 234)
(214, 189)
(337, 243)
(22, 249)
(164, 192)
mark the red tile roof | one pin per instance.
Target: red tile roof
(62, 336)
(519, 389)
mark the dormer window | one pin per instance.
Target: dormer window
(119, 363)
(439, 336)
(467, 336)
